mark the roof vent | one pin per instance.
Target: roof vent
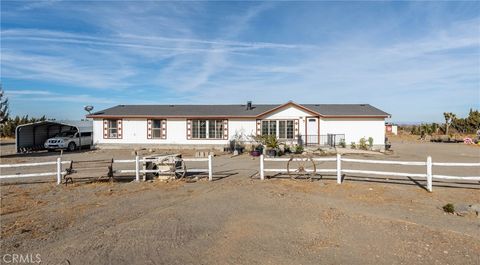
(171, 105)
(363, 105)
(249, 105)
(121, 105)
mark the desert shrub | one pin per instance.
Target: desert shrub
(370, 142)
(362, 144)
(353, 145)
(342, 143)
(449, 208)
(469, 124)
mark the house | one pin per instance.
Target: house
(213, 126)
(391, 128)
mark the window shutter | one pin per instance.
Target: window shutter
(164, 129)
(296, 129)
(120, 128)
(105, 129)
(225, 129)
(189, 129)
(149, 129)
(259, 127)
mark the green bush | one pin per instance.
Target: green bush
(353, 145)
(299, 149)
(370, 142)
(342, 143)
(362, 144)
(449, 208)
(272, 142)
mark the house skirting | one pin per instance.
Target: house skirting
(162, 146)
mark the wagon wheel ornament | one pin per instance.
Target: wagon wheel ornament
(301, 167)
(179, 168)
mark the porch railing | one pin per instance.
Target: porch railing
(331, 140)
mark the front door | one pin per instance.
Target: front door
(312, 130)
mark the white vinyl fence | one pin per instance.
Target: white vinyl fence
(58, 170)
(139, 160)
(339, 170)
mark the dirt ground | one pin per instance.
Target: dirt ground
(239, 219)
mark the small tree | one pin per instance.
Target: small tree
(370, 142)
(3, 106)
(362, 144)
(449, 118)
(353, 145)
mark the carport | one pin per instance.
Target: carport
(32, 136)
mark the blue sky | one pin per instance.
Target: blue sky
(414, 60)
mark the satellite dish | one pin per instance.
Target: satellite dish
(88, 109)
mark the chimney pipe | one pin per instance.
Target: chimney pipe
(249, 105)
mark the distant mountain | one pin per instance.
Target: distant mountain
(412, 122)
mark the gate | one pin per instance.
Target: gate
(102, 168)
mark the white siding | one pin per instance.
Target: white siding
(290, 112)
(135, 132)
(245, 127)
(355, 128)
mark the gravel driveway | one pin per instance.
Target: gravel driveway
(238, 219)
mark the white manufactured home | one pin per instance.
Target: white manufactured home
(214, 126)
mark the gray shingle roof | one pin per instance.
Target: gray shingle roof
(346, 109)
(233, 110)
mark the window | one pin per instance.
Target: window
(112, 128)
(65, 134)
(282, 132)
(85, 134)
(269, 127)
(283, 129)
(207, 129)
(290, 129)
(156, 129)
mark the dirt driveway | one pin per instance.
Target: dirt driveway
(239, 219)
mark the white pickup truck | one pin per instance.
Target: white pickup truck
(70, 140)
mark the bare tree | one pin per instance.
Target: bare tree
(3, 106)
(449, 118)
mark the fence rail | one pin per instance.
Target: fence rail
(137, 169)
(59, 173)
(428, 175)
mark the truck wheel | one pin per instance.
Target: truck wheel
(72, 146)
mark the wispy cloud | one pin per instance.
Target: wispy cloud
(204, 53)
(48, 96)
(27, 92)
(30, 5)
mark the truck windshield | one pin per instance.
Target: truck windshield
(65, 134)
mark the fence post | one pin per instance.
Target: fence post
(210, 168)
(137, 168)
(339, 169)
(429, 174)
(262, 173)
(59, 170)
